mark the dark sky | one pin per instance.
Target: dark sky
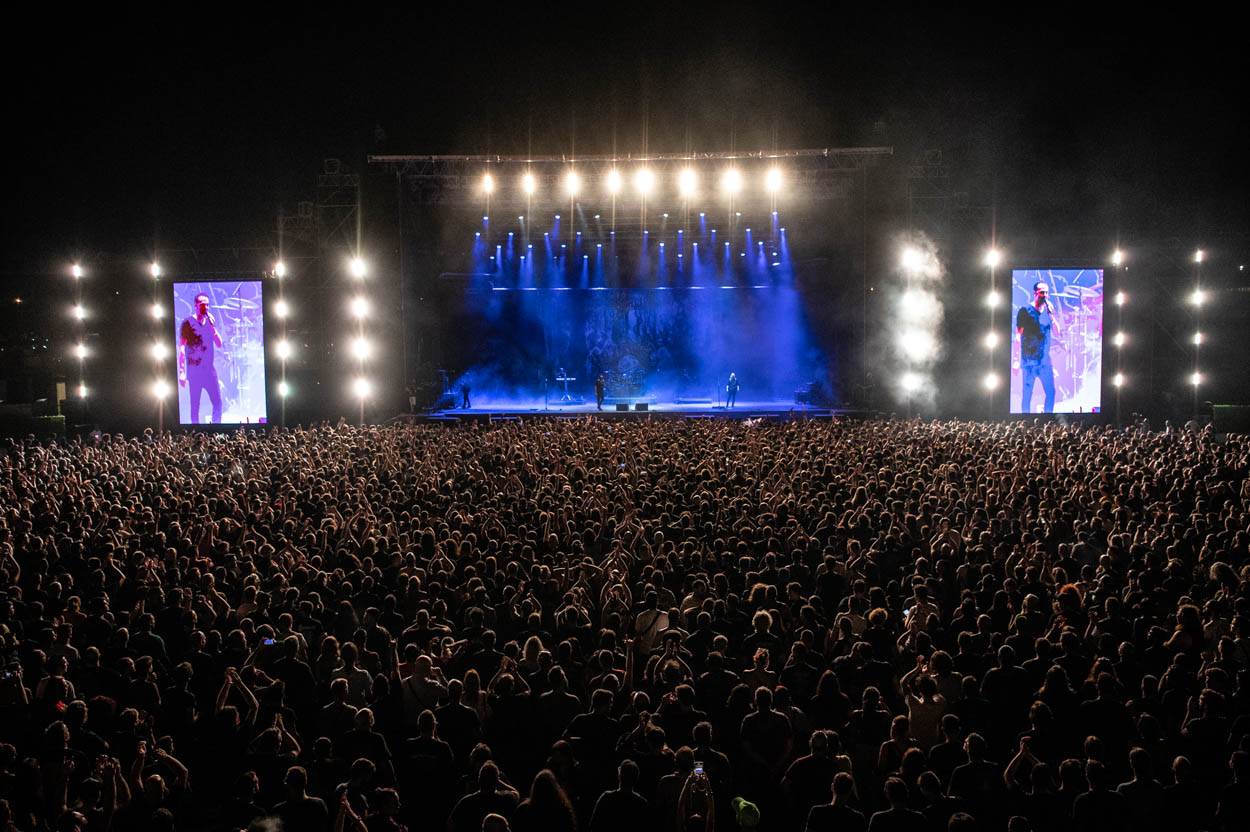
(131, 129)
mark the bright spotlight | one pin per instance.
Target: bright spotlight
(159, 351)
(1118, 379)
(913, 260)
(917, 345)
(160, 389)
(573, 183)
(158, 311)
(992, 299)
(1197, 297)
(281, 309)
(910, 382)
(76, 270)
(772, 180)
(156, 270)
(358, 267)
(361, 387)
(1195, 379)
(80, 350)
(614, 181)
(1199, 256)
(361, 348)
(279, 269)
(528, 183)
(1117, 258)
(991, 340)
(686, 182)
(1120, 297)
(488, 183)
(1197, 338)
(283, 389)
(732, 181)
(991, 381)
(914, 303)
(284, 349)
(993, 257)
(82, 391)
(79, 312)
(644, 179)
(1119, 339)
(360, 307)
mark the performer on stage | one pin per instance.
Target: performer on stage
(197, 338)
(1035, 325)
(600, 386)
(731, 390)
(465, 387)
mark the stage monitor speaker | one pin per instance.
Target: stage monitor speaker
(640, 406)
(622, 406)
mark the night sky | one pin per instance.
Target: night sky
(133, 130)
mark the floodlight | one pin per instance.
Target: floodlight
(284, 349)
(160, 389)
(361, 387)
(1197, 297)
(993, 257)
(488, 183)
(528, 183)
(1119, 339)
(361, 348)
(1117, 258)
(159, 351)
(76, 270)
(573, 183)
(1120, 297)
(1197, 338)
(732, 181)
(1118, 379)
(686, 181)
(358, 267)
(992, 299)
(772, 180)
(158, 311)
(910, 382)
(1199, 256)
(644, 179)
(283, 389)
(991, 340)
(1195, 379)
(614, 181)
(912, 260)
(156, 270)
(82, 391)
(991, 381)
(79, 312)
(279, 269)
(360, 307)
(80, 350)
(281, 309)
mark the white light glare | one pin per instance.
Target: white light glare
(1195, 379)
(1197, 297)
(1120, 298)
(79, 312)
(160, 389)
(912, 259)
(1118, 379)
(686, 182)
(158, 311)
(279, 269)
(358, 267)
(991, 382)
(772, 180)
(1117, 258)
(1197, 338)
(991, 340)
(360, 307)
(992, 299)
(1119, 339)
(361, 387)
(732, 181)
(488, 183)
(361, 348)
(573, 183)
(528, 183)
(1199, 256)
(80, 350)
(159, 351)
(281, 309)
(76, 270)
(910, 382)
(614, 181)
(283, 389)
(644, 179)
(82, 391)
(284, 349)
(993, 257)
(156, 270)
(917, 345)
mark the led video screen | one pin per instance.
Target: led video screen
(219, 339)
(1056, 340)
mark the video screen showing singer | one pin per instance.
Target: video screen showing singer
(1036, 325)
(198, 340)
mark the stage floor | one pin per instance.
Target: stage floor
(740, 410)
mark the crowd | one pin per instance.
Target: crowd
(685, 626)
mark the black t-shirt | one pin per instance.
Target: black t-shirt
(198, 338)
(1034, 329)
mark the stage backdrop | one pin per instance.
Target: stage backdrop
(1062, 361)
(684, 340)
(229, 380)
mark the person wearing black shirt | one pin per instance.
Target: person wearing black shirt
(197, 338)
(1035, 325)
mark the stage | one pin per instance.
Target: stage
(773, 410)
